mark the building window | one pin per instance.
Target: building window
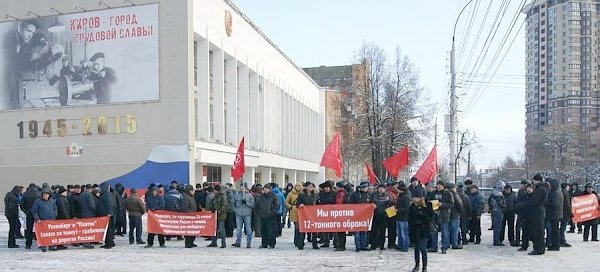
(213, 174)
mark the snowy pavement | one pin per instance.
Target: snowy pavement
(124, 257)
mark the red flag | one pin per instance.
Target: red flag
(395, 163)
(372, 177)
(332, 156)
(428, 169)
(239, 165)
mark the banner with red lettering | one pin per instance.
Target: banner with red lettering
(336, 218)
(187, 224)
(585, 208)
(71, 231)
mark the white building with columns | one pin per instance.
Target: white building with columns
(245, 86)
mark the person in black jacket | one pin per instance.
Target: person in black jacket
(524, 214)
(120, 213)
(11, 211)
(326, 197)
(554, 214)
(508, 218)
(154, 202)
(590, 224)
(466, 214)
(446, 201)
(266, 208)
(32, 193)
(63, 210)
(402, 206)
(306, 198)
(360, 196)
(575, 192)
(420, 216)
(107, 207)
(75, 201)
(567, 213)
(536, 208)
(521, 196)
(189, 206)
(382, 200)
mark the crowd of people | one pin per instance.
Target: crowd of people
(539, 212)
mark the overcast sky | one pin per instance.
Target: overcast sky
(317, 32)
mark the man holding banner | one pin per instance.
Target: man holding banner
(44, 208)
(155, 202)
(592, 221)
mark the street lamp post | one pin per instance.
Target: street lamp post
(453, 103)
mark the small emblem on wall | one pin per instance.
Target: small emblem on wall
(74, 150)
(228, 23)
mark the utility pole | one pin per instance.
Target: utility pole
(435, 177)
(453, 103)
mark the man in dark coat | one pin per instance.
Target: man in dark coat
(567, 213)
(32, 193)
(155, 202)
(593, 223)
(508, 218)
(477, 206)
(88, 207)
(361, 195)
(266, 209)
(62, 205)
(402, 205)
(308, 197)
(446, 205)
(382, 200)
(466, 214)
(135, 207)
(575, 192)
(537, 211)
(120, 213)
(521, 196)
(44, 208)
(326, 197)
(11, 211)
(107, 207)
(554, 213)
(189, 206)
(75, 201)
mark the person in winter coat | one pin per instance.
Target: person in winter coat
(477, 206)
(446, 201)
(88, 207)
(554, 214)
(173, 201)
(497, 209)
(466, 214)
(420, 216)
(567, 213)
(288, 188)
(107, 206)
(230, 222)
(508, 218)
(519, 222)
(575, 192)
(326, 197)
(290, 204)
(32, 193)
(308, 197)
(44, 208)
(266, 208)
(62, 207)
(590, 224)
(392, 232)
(11, 211)
(219, 204)
(382, 201)
(120, 214)
(154, 202)
(242, 206)
(75, 201)
(455, 215)
(402, 207)
(188, 205)
(135, 209)
(341, 197)
(281, 199)
(537, 211)
(360, 196)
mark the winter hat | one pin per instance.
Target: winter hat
(61, 190)
(588, 185)
(189, 188)
(413, 179)
(507, 187)
(401, 186)
(381, 185)
(218, 188)
(418, 192)
(133, 191)
(564, 185)
(267, 186)
(325, 184)
(198, 186)
(538, 177)
(451, 186)
(500, 185)
(46, 190)
(468, 182)
(441, 183)
(339, 184)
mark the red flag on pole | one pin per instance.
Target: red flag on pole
(428, 169)
(372, 176)
(395, 163)
(239, 165)
(332, 157)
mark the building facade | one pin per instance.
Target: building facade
(562, 70)
(113, 80)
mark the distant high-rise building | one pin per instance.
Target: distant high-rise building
(562, 70)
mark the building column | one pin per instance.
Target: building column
(226, 175)
(243, 104)
(218, 96)
(294, 177)
(231, 100)
(265, 176)
(248, 177)
(302, 176)
(280, 178)
(254, 111)
(202, 89)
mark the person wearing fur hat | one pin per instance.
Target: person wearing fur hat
(290, 203)
(220, 204)
(402, 207)
(341, 197)
(382, 200)
(188, 205)
(135, 209)
(477, 206)
(326, 197)
(266, 207)
(308, 197)
(361, 195)
(590, 224)
(44, 208)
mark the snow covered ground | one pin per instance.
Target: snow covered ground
(124, 257)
